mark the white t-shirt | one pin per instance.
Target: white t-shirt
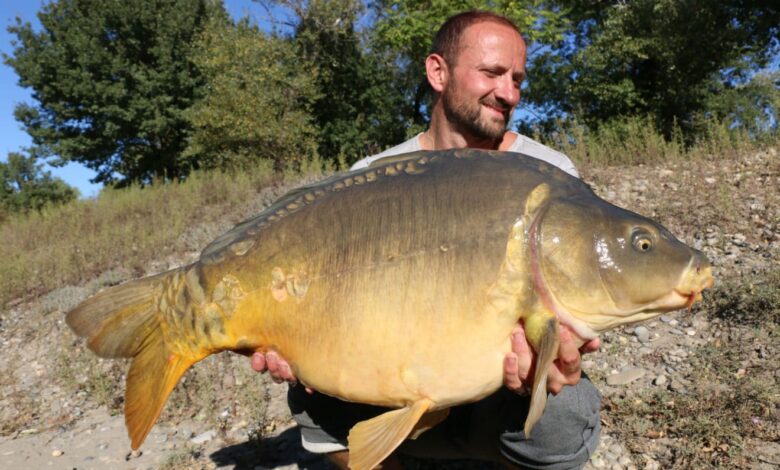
(522, 144)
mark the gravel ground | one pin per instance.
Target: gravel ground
(56, 412)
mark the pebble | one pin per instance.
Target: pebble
(56, 453)
(660, 380)
(642, 334)
(625, 376)
(677, 386)
(204, 437)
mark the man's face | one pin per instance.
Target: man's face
(484, 82)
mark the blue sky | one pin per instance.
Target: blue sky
(12, 137)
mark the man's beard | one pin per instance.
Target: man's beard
(467, 117)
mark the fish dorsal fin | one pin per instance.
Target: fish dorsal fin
(371, 441)
(542, 331)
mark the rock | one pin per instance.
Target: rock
(651, 464)
(204, 437)
(598, 462)
(677, 386)
(642, 334)
(626, 376)
(56, 453)
(660, 380)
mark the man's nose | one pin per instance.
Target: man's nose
(507, 91)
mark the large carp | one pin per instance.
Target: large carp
(399, 285)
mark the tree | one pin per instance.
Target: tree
(673, 60)
(360, 108)
(112, 80)
(258, 99)
(25, 187)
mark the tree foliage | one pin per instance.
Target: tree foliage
(258, 103)
(24, 186)
(359, 110)
(674, 60)
(111, 80)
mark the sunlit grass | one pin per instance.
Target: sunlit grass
(125, 228)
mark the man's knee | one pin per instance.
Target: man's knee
(565, 436)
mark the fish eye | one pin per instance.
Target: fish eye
(642, 242)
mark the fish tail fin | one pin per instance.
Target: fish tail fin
(125, 321)
(545, 338)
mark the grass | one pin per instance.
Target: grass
(125, 229)
(733, 394)
(633, 141)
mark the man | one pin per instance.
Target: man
(475, 71)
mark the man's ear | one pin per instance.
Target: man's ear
(438, 72)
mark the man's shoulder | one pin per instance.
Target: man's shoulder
(532, 148)
(411, 145)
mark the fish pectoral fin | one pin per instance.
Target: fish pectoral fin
(371, 441)
(428, 421)
(546, 340)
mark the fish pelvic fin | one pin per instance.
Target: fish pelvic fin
(542, 331)
(371, 441)
(125, 321)
(428, 421)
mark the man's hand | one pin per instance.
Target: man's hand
(518, 364)
(279, 369)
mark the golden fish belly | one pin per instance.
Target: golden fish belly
(389, 345)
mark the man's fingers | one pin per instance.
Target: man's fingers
(566, 369)
(258, 362)
(272, 362)
(511, 377)
(591, 346)
(522, 349)
(517, 364)
(285, 372)
(568, 357)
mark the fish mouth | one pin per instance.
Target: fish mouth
(694, 295)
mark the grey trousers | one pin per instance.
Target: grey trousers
(490, 429)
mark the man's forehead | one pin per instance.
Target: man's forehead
(485, 39)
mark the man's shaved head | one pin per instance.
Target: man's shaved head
(447, 40)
